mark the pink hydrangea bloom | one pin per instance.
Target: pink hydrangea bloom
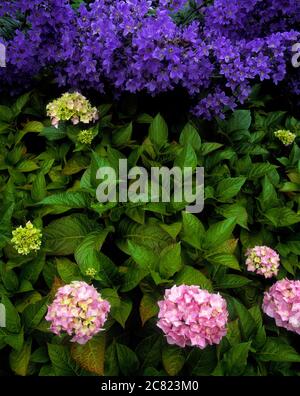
(282, 302)
(263, 260)
(191, 316)
(79, 310)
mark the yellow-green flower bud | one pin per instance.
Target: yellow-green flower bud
(26, 239)
(86, 136)
(91, 272)
(286, 137)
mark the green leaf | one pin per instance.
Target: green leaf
(111, 365)
(19, 360)
(40, 355)
(260, 170)
(233, 335)
(235, 210)
(239, 121)
(63, 236)
(170, 261)
(235, 360)
(219, 233)
(87, 253)
(172, 229)
(67, 270)
(122, 312)
(123, 135)
(229, 188)
(191, 276)
(20, 103)
(90, 356)
(275, 350)
(31, 270)
(190, 135)
(133, 276)
(52, 133)
(173, 359)
(75, 164)
(158, 132)
(246, 321)
(27, 166)
(282, 217)
(31, 126)
(148, 308)
(226, 259)
(202, 362)
(193, 230)
(68, 199)
(232, 282)
(108, 272)
(6, 114)
(187, 158)
(33, 314)
(61, 360)
(149, 350)
(16, 341)
(39, 187)
(143, 256)
(127, 359)
(207, 148)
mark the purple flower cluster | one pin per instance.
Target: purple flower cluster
(137, 46)
(46, 40)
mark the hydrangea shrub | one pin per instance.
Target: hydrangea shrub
(88, 283)
(148, 288)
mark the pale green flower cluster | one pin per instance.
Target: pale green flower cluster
(72, 106)
(91, 272)
(26, 239)
(86, 136)
(286, 137)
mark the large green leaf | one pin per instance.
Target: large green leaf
(19, 360)
(276, 350)
(235, 360)
(127, 359)
(219, 233)
(90, 356)
(63, 236)
(193, 230)
(170, 261)
(158, 131)
(173, 359)
(191, 276)
(229, 188)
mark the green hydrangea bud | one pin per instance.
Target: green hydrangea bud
(286, 137)
(26, 239)
(91, 272)
(72, 106)
(86, 136)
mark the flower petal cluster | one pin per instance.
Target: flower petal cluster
(79, 310)
(190, 316)
(286, 137)
(72, 106)
(86, 136)
(282, 302)
(263, 260)
(26, 239)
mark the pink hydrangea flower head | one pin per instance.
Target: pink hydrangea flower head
(79, 310)
(282, 302)
(190, 316)
(263, 260)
